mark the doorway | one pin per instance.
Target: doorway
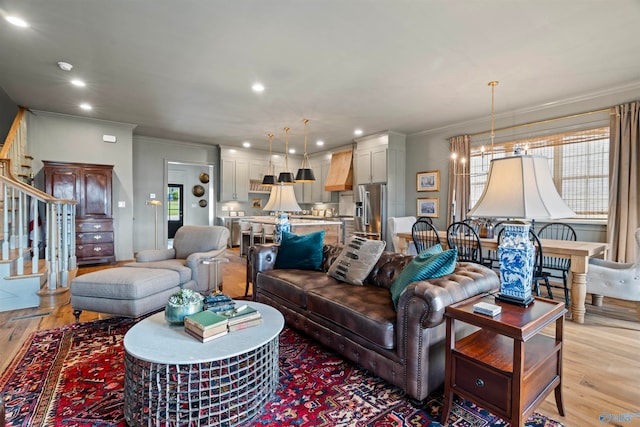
(175, 209)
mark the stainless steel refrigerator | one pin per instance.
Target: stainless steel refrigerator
(371, 214)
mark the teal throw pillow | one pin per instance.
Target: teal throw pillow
(303, 252)
(429, 264)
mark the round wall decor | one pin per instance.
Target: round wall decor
(198, 190)
(204, 178)
(203, 203)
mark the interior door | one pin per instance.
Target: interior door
(174, 209)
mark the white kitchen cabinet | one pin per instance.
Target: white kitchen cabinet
(234, 185)
(258, 169)
(321, 171)
(372, 165)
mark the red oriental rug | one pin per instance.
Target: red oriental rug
(73, 376)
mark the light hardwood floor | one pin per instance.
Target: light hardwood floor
(601, 357)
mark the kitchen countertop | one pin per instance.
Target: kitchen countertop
(294, 220)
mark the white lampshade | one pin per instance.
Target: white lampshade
(282, 199)
(520, 187)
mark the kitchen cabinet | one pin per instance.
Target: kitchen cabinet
(318, 194)
(234, 180)
(372, 165)
(258, 169)
(90, 185)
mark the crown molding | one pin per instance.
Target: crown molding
(547, 106)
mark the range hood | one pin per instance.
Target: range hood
(340, 176)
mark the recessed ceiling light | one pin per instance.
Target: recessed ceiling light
(17, 21)
(78, 83)
(65, 66)
(85, 106)
(292, 150)
(357, 132)
(258, 87)
(246, 144)
(320, 143)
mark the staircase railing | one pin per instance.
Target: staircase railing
(21, 231)
(22, 235)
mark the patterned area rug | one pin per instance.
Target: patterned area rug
(73, 376)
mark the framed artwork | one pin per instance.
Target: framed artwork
(256, 203)
(428, 181)
(428, 207)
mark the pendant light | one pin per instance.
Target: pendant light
(285, 176)
(305, 173)
(269, 179)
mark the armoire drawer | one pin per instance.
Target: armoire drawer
(105, 237)
(94, 250)
(94, 226)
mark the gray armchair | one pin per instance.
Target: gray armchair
(191, 244)
(615, 279)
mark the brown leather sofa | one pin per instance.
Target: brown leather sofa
(406, 347)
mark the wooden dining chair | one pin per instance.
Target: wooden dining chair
(424, 235)
(462, 236)
(558, 267)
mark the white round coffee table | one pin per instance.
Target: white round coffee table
(173, 379)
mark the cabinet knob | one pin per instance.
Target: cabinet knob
(97, 226)
(97, 237)
(97, 249)
(479, 382)
(80, 235)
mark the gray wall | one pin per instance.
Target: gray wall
(430, 150)
(8, 111)
(151, 173)
(66, 138)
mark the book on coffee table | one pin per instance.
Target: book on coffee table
(205, 320)
(206, 338)
(241, 314)
(245, 324)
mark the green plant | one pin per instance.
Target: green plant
(185, 297)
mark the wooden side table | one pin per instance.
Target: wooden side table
(507, 366)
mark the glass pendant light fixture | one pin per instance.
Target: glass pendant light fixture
(305, 173)
(285, 176)
(269, 179)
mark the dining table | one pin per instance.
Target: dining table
(578, 252)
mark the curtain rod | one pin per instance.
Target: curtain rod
(541, 122)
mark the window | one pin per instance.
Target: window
(579, 164)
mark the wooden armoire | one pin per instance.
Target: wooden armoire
(90, 186)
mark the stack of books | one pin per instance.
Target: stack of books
(242, 317)
(206, 325)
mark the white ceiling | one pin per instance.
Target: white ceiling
(183, 69)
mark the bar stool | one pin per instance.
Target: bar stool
(268, 233)
(256, 233)
(245, 230)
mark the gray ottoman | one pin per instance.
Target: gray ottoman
(123, 291)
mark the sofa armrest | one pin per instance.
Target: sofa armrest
(152, 255)
(261, 258)
(424, 302)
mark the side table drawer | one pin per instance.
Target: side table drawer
(487, 385)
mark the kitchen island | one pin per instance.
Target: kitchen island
(332, 229)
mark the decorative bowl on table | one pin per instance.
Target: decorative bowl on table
(181, 304)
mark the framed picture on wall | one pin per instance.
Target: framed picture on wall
(428, 207)
(428, 181)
